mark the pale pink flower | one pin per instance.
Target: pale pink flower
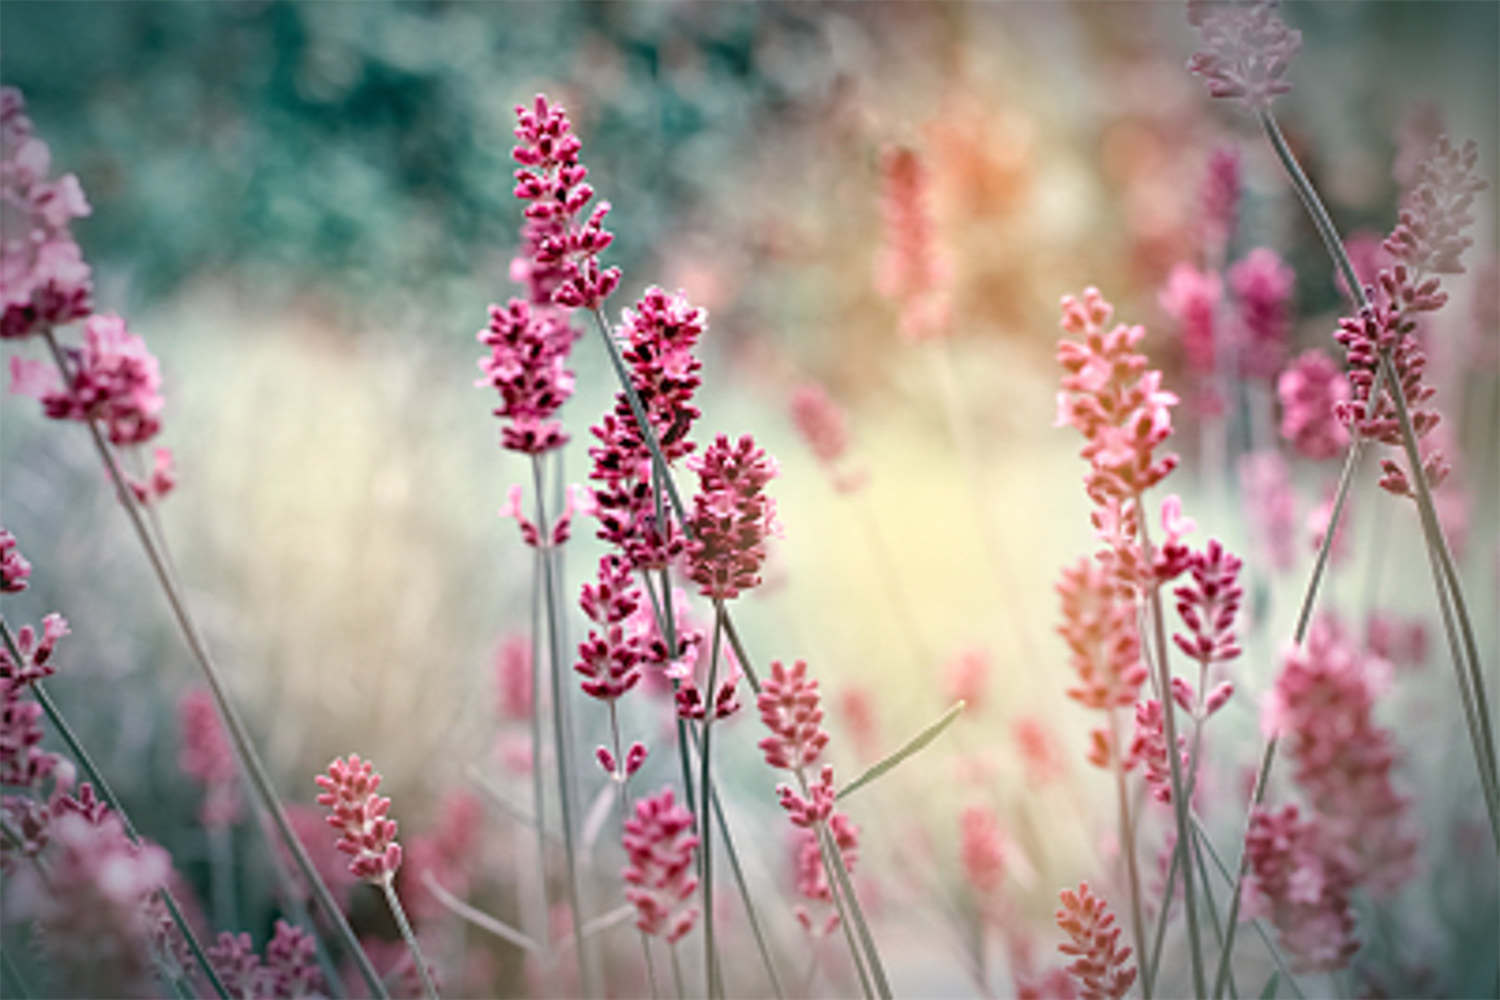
(822, 425)
(449, 852)
(1246, 50)
(856, 706)
(1101, 965)
(911, 269)
(1263, 285)
(1310, 389)
(1100, 631)
(1148, 748)
(1301, 889)
(1271, 507)
(969, 678)
(659, 876)
(1437, 209)
(1191, 297)
(159, 481)
(1219, 198)
(1039, 750)
(1318, 519)
(359, 814)
(513, 680)
(791, 708)
(982, 850)
(14, 569)
(1400, 642)
(206, 756)
(36, 654)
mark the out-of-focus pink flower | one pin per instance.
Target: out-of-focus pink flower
(1209, 606)
(1417, 132)
(1220, 199)
(1301, 888)
(1263, 285)
(1399, 642)
(856, 706)
(1053, 984)
(1323, 707)
(393, 961)
(813, 807)
(1311, 389)
(1191, 297)
(562, 247)
(359, 814)
(36, 654)
(1246, 50)
(1436, 209)
(659, 878)
(911, 269)
(527, 366)
(1039, 750)
(310, 825)
(513, 680)
(1148, 748)
(449, 851)
(821, 423)
(1317, 528)
(1367, 256)
(791, 708)
(159, 482)
(732, 517)
(92, 916)
(1271, 507)
(206, 756)
(14, 569)
(982, 849)
(112, 378)
(819, 916)
(43, 278)
(969, 678)
(1101, 965)
(1104, 646)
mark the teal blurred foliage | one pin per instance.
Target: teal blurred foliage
(365, 147)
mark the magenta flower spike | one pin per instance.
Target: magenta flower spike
(659, 876)
(732, 517)
(527, 366)
(14, 569)
(36, 654)
(1191, 297)
(359, 814)
(791, 708)
(1263, 285)
(1209, 606)
(1101, 965)
(610, 658)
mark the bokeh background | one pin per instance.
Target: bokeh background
(305, 209)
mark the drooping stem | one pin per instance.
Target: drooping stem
(429, 988)
(1174, 763)
(1132, 870)
(75, 748)
(559, 735)
(260, 780)
(705, 829)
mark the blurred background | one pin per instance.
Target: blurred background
(306, 208)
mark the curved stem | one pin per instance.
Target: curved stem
(394, 902)
(260, 781)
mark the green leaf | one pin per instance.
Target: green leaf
(1269, 990)
(911, 746)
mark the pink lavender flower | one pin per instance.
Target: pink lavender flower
(159, 482)
(1103, 644)
(527, 365)
(1192, 298)
(815, 805)
(791, 708)
(1311, 389)
(1039, 751)
(982, 849)
(1263, 284)
(1323, 707)
(911, 269)
(610, 658)
(1401, 643)
(1209, 606)
(1100, 963)
(1148, 748)
(112, 378)
(1302, 890)
(562, 247)
(1246, 50)
(360, 817)
(206, 756)
(92, 914)
(43, 278)
(660, 883)
(822, 425)
(732, 517)
(290, 968)
(1271, 507)
(14, 569)
(1220, 199)
(23, 762)
(447, 852)
(818, 916)
(36, 654)
(1436, 210)
(513, 679)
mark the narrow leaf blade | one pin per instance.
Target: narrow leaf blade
(910, 747)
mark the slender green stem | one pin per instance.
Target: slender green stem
(705, 828)
(1260, 930)
(676, 969)
(1132, 870)
(239, 735)
(387, 884)
(538, 924)
(1174, 763)
(17, 981)
(826, 852)
(559, 735)
(1256, 797)
(1212, 906)
(650, 966)
(75, 748)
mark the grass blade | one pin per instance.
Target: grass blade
(907, 749)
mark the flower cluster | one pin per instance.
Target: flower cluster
(1219, 199)
(14, 569)
(732, 517)
(911, 269)
(1192, 299)
(35, 653)
(811, 878)
(23, 762)
(1209, 605)
(821, 423)
(289, 969)
(206, 757)
(982, 849)
(562, 249)
(1148, 748)
(1099, 627)
(1323, 707)
(1435, 210)
(1263, 284)
(658, 338)
(527, 366)
(1310, 390)
(1246, 50)
(44, 281)
(157, 483)
(113, 378)
(1101, 965)
(1300, 888)
(659, 842)
(610, 658)
(360, 817)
